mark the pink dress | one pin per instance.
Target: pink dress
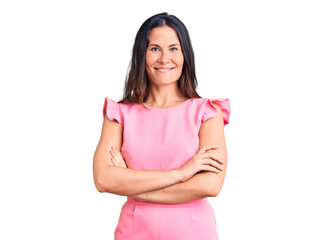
(164, 139)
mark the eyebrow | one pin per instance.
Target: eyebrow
(153, 44)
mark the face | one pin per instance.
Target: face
(164, 57)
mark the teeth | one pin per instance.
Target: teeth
(163, 69)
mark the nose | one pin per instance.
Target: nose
(164, 57)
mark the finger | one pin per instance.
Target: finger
(210, 168)
(117, 153)
(111, 162)
(112, 152)
(120, 161)
(206, 148)
(114, 161)
(212, 156)
(213, 163)
(114, 157)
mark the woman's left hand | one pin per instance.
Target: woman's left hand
(117, 158)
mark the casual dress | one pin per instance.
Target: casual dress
(164, 139)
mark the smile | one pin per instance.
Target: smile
(163, 69)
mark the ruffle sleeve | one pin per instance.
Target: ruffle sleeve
(210, 110)
(112, 109)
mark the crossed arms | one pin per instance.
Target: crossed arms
(158, 186)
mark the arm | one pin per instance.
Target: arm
(190, 190)
(212, 133)
(203, 184)
(124, 181)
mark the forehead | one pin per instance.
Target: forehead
(164, 34)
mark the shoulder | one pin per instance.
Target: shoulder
(111, 109)
(210, 107)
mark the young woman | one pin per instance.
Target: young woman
(163, 145)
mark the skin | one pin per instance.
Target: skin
(202, 176)
(211, 134)
(164, 51)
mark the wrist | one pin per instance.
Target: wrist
(177, 175)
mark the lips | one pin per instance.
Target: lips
(163, 69)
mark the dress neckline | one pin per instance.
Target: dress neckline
(168, 108)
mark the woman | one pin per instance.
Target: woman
(163, 145)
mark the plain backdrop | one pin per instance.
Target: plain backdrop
(60, 59)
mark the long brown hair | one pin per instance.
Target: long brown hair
(136, 87)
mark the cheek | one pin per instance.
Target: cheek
(180, 60)
(147, 64)
(180, 63)
(150, 59)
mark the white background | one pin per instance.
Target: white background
(60, 59)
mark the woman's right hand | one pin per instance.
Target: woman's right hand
(201, 161)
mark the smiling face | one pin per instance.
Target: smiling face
(164, 57)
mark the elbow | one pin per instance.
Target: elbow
(215, 189)
(99, 187)
(102, 184)
(99, 184)
(104, 179)
(214, 192)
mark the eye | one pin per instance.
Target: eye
(174, 49)
(154, 49)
